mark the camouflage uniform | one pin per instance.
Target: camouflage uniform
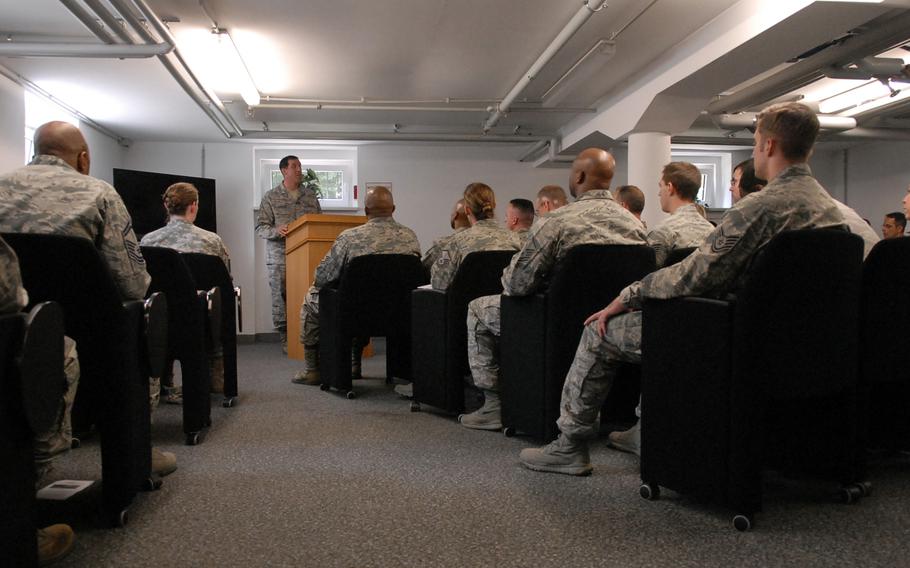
(484, 235)
(684, 228)
(595, 218)
(791, 201)
(183, 236)
(13, 298)
(858, 226)
(522, 235)
(279, 208)
(380, 235)
(49, 197)
(432, 255)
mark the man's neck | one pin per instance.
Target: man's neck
(775, 168)
(290, 189)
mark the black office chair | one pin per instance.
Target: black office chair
(540, 333)
(31, 390)
(768, 379)
(187, 312)
(439, 340)
(371, 299)
(210, 272)
(883, 338)
(115, 340)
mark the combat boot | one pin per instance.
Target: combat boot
(628, 441)
(487, 417)
(310, 375)
(54, 542)
(356, 358)
(283, 338)
(562, 455)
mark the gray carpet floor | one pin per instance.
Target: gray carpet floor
(294, 476)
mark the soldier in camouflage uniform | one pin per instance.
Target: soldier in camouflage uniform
(181, 201)
(55, 195)
(519, 218)
(485, 234)
(792, 200)
(459, 222)
(594, 218)
(380, 235)
(685, 227)
(633, 199)
(280, 206)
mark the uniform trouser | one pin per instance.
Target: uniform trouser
(59, 437)
(279, 295)
(593, 371)
(309, 318)
(483, 341)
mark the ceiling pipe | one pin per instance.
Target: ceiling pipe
(871, 134)
(115, 51)
(580, 17)
(88, 21)
(747, 120)
(110, 21)
(888, 32)
(364, 100)
(391, 136)
(388, 107)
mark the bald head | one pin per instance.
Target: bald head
(592, 169)
(379, 202)
(459, 219)
(65, 141)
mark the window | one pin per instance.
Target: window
(336, 170)
(39, 110)
(715, 169)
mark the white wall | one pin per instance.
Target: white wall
(105, 152)
(12, 125)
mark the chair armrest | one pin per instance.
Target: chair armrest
(239, 295)
(213, 307)
(155, 312)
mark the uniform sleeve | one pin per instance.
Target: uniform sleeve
(329, 270)
(225, 255)
(533, 263)
(121, 250)
(432, 255)
(12, 295)
(443, 272)
(265, 220)
(661, 240)
(713, 268)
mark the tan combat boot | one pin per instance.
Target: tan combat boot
(310, 374)
(54, 542)
(562, 455)
(487, 417)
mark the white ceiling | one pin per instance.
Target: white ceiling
(404, 50)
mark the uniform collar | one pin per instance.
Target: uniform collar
(596, 194)
(48, 160)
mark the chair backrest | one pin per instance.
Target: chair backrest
(480, 274)
(376, 289)
(797, 314)
(171, 276)
(210, 272)
(886, 311)
(677, 255)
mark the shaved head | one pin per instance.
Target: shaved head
(592, 169)
(379, 202)
(65, 141)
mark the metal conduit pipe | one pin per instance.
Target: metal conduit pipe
(580, 17)
(323, 106)
(110, 21)
(88, 21)
(364, 100)
(390, 136)
(115, 51)
(166, 34)
(747, 120)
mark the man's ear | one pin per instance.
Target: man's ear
(83, 163)
(671, 189)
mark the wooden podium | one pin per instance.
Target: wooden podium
(309, 239)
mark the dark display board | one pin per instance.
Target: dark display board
(143, 194)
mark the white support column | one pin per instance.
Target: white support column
(649, 152)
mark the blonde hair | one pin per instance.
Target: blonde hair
(480, 199)
(180, 196)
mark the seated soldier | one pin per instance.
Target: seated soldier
(685, 227)
(632, 200)
(380, 235)
(485, 234)
(549, 198)
(745, 181)
(519, 218)
(55, 541)
(894, 225)
(181, 200)
(55, 195)
(459, 222)
(792, 200)
(594, 218)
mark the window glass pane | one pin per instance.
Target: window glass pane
(331, 183)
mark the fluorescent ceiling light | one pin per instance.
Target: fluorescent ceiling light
(213, 56)
(869, 91)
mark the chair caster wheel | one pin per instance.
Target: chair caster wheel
(855, 491)
(120, 518)
(415, 407)
(508, 431)
(151, 483)
(192, 439)
(649, 491)
(323, 387)
(75, 443)
(351, 395)
(742, 523)
(228, 402)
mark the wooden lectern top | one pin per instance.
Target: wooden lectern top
(318, 227)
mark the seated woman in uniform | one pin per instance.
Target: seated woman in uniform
(181, 201)
(485, 234)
